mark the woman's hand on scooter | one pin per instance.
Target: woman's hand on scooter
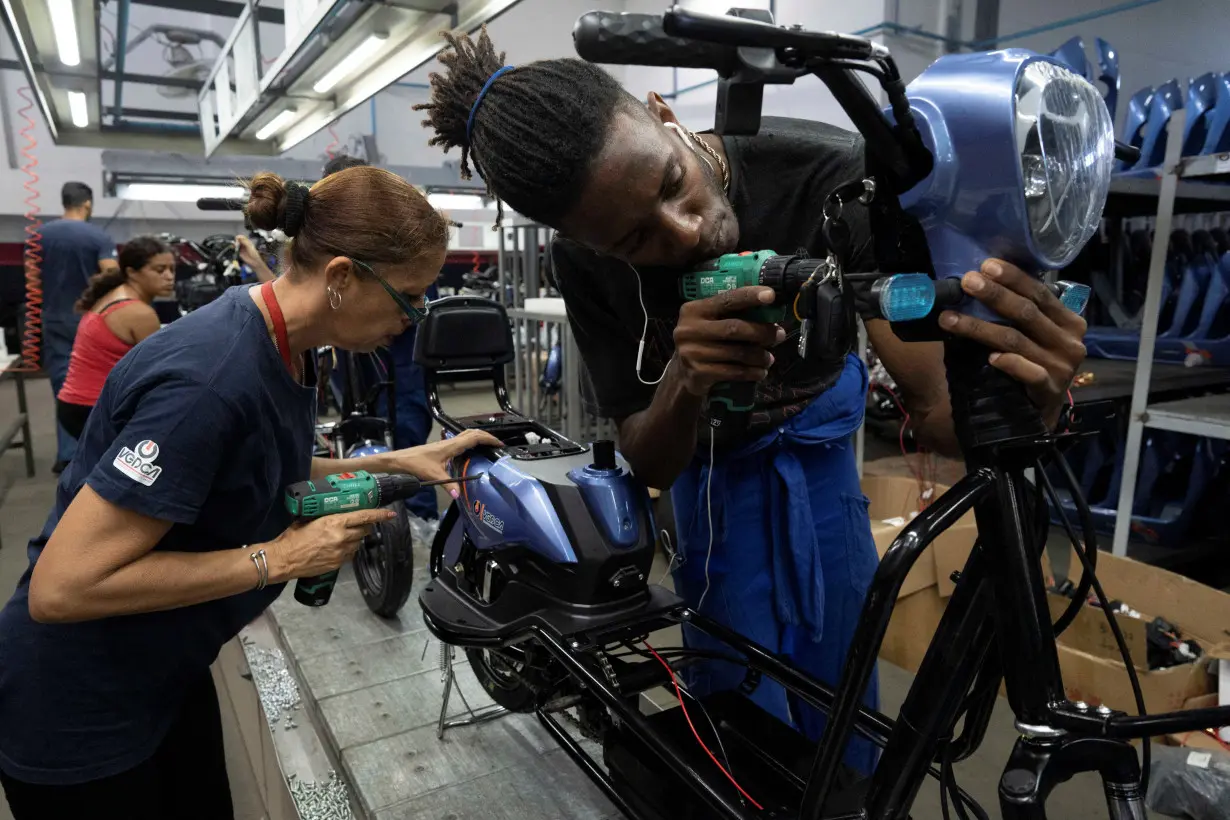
(430, 461)
(1042, 348)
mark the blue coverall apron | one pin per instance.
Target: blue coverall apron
(792, 552)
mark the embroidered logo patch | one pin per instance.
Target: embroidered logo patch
(138, 464)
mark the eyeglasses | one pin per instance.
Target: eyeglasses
(416, 314)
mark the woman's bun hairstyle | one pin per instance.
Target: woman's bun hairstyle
(363, 213)
(266, 201)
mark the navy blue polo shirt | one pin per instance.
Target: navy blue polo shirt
(72, 251)
(200, 425)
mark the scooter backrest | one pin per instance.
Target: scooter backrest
(464, 333)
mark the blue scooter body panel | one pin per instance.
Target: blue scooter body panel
(1217, 140)
(1108, 74)
(1201, 97)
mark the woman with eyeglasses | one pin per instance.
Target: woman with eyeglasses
(169, 531)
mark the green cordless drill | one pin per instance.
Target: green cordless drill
(342, 493)
(820, 305)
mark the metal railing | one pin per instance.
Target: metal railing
(548, 380)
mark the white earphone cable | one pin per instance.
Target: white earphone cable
(709, 509)
(640, 348)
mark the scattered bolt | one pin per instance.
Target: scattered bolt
(278, 691)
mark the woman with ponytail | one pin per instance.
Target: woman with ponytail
(170, 531)
(118, 308)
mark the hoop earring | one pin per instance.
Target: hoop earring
(335, 298)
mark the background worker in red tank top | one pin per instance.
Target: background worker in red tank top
(118, 314)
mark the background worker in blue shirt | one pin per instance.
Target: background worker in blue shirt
(73, 251)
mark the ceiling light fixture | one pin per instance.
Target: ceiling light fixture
(78, 109)
(276, 124)
(171, 192)
(350, 64)
(64, 23)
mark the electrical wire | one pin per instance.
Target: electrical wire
(1088, 567)
(721, 746)
(332, 146)
(32, 335)
(709, 511)
(688, 718)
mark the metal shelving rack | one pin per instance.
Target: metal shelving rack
(1202, 416)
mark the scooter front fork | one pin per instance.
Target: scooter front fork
(1038, 765)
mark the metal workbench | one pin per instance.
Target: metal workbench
(1180, 190)
(21, 422)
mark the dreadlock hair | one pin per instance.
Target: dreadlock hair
(537, 131)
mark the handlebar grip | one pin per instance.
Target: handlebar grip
(638, 39)
(220, 204)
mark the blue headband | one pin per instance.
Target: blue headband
(479, 99)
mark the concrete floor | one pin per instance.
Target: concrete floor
(24, 508)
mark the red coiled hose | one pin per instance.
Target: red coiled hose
(32, 337)
(333, 146)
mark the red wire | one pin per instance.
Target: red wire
(901, 436)
(696, 734)
(333, 145)
(32, 337)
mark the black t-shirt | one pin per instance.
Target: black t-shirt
(199, 425)
(779, 180)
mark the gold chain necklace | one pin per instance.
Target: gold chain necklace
(721, 163)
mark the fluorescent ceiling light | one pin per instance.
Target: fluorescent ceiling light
(460, 202)
(350, 64)
(304, 129)
(78, 109)
(64, 23)
(276, 124)
(170, 192)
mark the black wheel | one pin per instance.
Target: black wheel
(384, 565)
(513, 676)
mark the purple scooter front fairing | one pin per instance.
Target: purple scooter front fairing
(1023, 150)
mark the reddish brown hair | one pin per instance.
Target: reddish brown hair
(365, 213)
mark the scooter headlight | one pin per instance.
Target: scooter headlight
(1065, 147)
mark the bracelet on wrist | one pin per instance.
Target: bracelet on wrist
(262, 568)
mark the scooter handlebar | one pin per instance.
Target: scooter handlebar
(639, 39)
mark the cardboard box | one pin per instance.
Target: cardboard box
(1089, 659)
(895, 500)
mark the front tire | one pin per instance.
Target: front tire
(384, 564)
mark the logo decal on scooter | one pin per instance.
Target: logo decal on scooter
(487, 518)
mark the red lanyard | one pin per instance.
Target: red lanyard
(279, 324)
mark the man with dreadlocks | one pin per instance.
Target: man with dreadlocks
(773, 527)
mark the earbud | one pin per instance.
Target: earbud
(679, 132)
